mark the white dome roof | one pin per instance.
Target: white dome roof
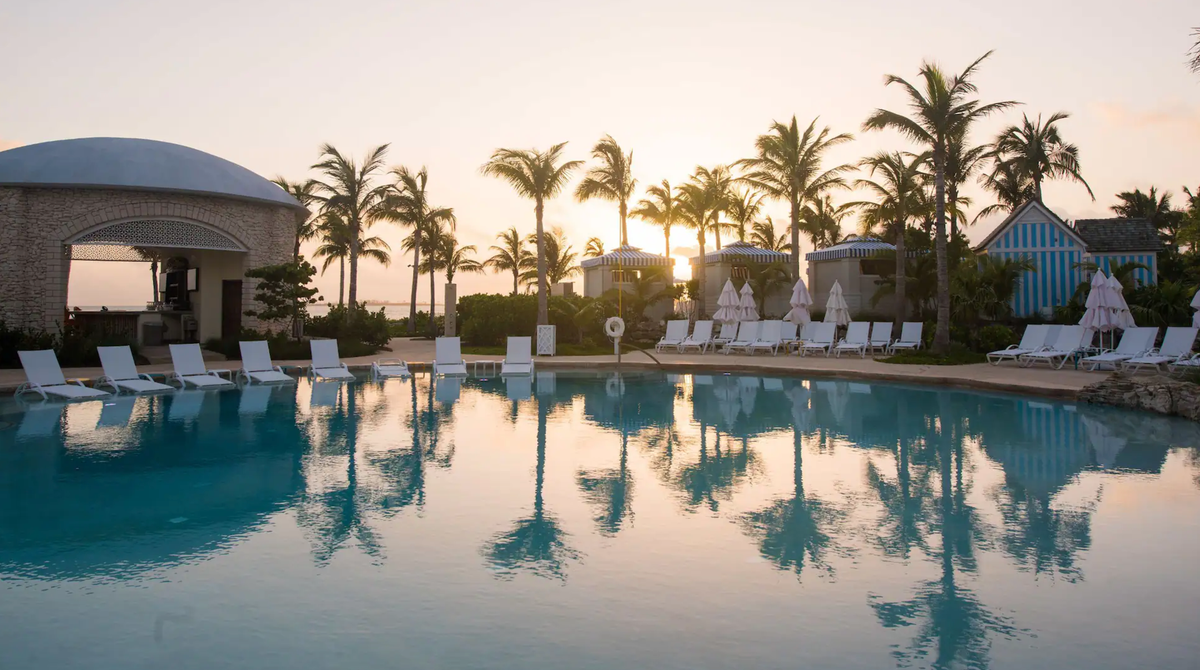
(134, 164)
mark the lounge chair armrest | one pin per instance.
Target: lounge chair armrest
(219, 372)
(146, 376)
(77, 382)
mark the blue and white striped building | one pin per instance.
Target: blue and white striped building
(1057, 248)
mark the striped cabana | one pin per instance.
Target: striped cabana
(743, 252)
(734, 261)
(627, 256)
(851, 247)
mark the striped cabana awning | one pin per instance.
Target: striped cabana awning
(742, 251)
(851, 247)
(627, 256)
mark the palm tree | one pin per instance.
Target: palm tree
(1010, 186)
(594, 248)
(963, 162)
(788, 167)
(695, 204)
(335, 246)
(896, 193)
(458, 259)
(661, 209)
(743, 209)
(941, 112)
(537, 175)
(821, 221)
(612, 180)
(719, 184)
(408, 205)
(559, 259)
(511, 256)
(1194, 52)
(1154, 208)
(349, 191)
(762, 234)
(305, 193)
(1039, 151)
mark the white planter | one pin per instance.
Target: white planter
(546, 340)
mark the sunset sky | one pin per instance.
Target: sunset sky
(263, 84)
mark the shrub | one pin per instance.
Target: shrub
(399, 327)
(74, 347)
(487, 320)
(991, 338)
(351, 324)
(283, 348)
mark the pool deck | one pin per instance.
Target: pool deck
(1007, 377)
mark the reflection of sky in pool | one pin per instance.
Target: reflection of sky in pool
(593, 522)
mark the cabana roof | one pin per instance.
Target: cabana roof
(851, 247)
(743, 251)
(627, 256)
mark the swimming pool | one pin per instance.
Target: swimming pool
(586, 520)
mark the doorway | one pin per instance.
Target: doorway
(231, 309)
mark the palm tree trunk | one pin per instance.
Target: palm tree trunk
(901, 275)
(412, 301)
(543, 317)
(701, 307)
(624, 233)
(1037, 188)
(355, 231)
(795, 238)
(717, 231)
(296, 250)
(516, 280)
(941, 336)
(342, 281)
(667, 237)
(154, 281)
(432, 301)
(953, 198)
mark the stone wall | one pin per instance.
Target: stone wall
(1159, 393)
(35, 223)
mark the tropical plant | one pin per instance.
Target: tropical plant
(788, 167)
(920, 283)
(1194, 52)
(821, 221)
(897, 197)
(335, 246)
(511, 256)
(718, 182)
(305, 193)
(452, 259)
(646, 289)
(612, 180)
(559, 260)
(963, 162)
(743, 209)
(696, 204)
(660, 209)
(1011, 187)
(594, 248)
(941, 111)
(985, 289)
(283, 291)
(1155, 209)
(1124, 272)
(1038, 150)
(408, 205)
(539, 176)
(1166, 303)
(763, 235)
(765, 279)
(349, 191)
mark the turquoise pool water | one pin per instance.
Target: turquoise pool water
(590, 521)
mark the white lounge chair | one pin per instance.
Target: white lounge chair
(910, 336)
(120, 372)
(788, 336)
(1033, 339)
(746, 336)
(806, 334)
(257, 365)
(44, 376)
(1070, 341)
(881, 336)
(519, 358)
(823, 335)
(1134, 342)
(770, 337)
(326, 363)
(857, 339)
(448, 358)
(190, 368)
(701, 337)
(728, 334)
(1184, 364)
(1176, 347)
(677, 331)
(390, 367)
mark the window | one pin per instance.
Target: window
(739, 272)
(624, 276)
(877, 267)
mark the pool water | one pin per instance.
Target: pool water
(594, 521)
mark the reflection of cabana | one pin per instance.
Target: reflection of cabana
(1054, 448)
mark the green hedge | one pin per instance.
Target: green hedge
(74, 347)
(487, 320)
(351, 324)
(283, 348)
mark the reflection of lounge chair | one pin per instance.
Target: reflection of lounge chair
(519, 359)
(117, 412)
(190, 368)
(40, 420)
(186, 405)
(700, 339)
(326, 363)
(448, 358)
(855, 387)
(390, 367)
(702, 380)
(518, 387)
(446, 389)
(120, 372)
(324, 394)
(45, 377)
(677, 332)
(257, 365)
(772, 384)
(255, 399)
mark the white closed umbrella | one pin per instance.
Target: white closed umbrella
(1196, 305)
(836, 310)
(1116, 295)
(800, 302)
(727, 304)
(747, 306)
(1101, 310)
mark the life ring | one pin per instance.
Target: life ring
(614, 327)
(615, 386)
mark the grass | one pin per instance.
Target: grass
(957, 356)
(564, 349)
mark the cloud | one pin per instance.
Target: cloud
(1177, 118)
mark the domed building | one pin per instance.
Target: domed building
(205, 219)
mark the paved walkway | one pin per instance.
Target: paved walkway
(1008, 377)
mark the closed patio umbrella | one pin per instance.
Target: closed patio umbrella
(800, 302)
(1196, 305)
(1116, 295)
(836, 310)
(749, 312)
(1101, 309)
(727, 305)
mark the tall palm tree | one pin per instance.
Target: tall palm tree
(1154, 208)
(719, 183)
(695, 204)
(594, 248)
(941, 110)
(335, 246)
(1040, 152)
(895, 199)
(612, 180)
(408, 205)
(349, 190)
(511, 256)
(762, 234)
(537, 175)
(1009, 184)
(660, 208)
(305, 193)
(458, 259)
(821, 221)
(1194, 52)
(433, 259)
(963, 162)
(744, 208)
(559, 259)
(788, 167)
